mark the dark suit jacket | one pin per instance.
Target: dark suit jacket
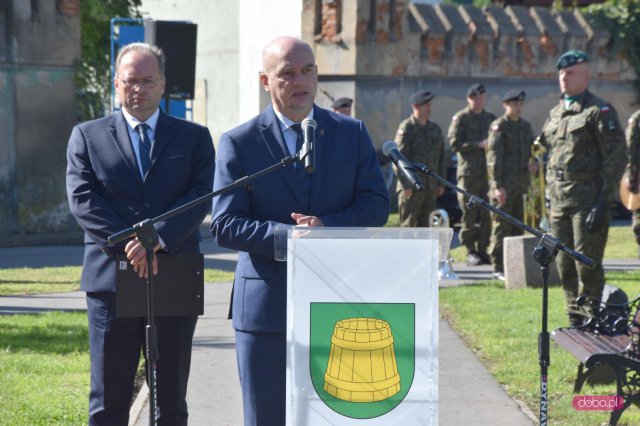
(107, 194)
(347, 189)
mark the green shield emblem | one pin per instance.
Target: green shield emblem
(362, 356)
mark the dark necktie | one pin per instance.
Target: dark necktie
(301, 175)
(145, 148)
(298, 129)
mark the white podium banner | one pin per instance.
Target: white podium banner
(362, 325)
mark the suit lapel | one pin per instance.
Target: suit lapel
(161, 137)
(323, 139)
(274, 141)
(120, 135)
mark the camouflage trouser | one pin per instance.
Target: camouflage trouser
(503, 228)
(568, 225)
(415, 211)
(635, 223)
(474, 238)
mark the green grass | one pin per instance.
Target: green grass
(22, 281)
(44, 361)
(39, 280)
(44, 369)
(501, 327)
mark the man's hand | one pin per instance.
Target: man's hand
(484, 144)
(500, 194)
(305, 220)
(596, 219)
(439, 191)
(533, 167)
(137, 256)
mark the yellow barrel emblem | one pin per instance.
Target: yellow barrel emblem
(362, 364)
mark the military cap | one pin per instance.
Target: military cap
(475, 89)
(571, 58)
(342, 103)
(514, 95)
(420, 97)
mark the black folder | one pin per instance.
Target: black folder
(178, 289)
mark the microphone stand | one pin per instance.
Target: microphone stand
(543, 254)
(148, 237)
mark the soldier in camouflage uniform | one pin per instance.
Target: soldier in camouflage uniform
(420, 140)
(510, 139)
(631, 177)
(468, 137)
(587, 156)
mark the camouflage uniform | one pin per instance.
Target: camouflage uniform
(507, 160)
(466, 132)
(587, 156)
(633, 143)
(423, 144)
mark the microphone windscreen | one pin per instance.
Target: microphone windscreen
(309, 122)
(388, 146)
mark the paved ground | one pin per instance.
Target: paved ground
(214, 391)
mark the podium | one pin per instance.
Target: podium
(362, 325)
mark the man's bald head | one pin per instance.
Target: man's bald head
(278, 48)
(290, 75)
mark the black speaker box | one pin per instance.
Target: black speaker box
(178, 42)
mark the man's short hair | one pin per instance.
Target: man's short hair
(150, 49)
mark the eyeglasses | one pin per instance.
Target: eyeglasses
(145, 83)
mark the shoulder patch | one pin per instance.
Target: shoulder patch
(495, 128)
(455, 118)
(604, 109)
(400, 132)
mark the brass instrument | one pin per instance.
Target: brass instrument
(535, 210)
(439, 218)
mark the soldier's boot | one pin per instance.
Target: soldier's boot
(473, 259)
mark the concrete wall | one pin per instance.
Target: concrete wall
(380, 51)
(217, 54)
(40, 41)
(231, 34)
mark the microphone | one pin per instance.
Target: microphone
(405, 167)
(309, 144)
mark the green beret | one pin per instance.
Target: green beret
(571, 58)
(421, 97)
(475, 89)
(513, 95)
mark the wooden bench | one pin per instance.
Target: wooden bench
(611, 337)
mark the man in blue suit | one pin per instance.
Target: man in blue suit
(346, 189)
(121, 169)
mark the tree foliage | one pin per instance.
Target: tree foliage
(621, 18)
(92, 68)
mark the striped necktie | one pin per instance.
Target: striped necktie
(145, 148)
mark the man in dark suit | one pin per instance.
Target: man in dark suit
(132, 165)
(346, 189)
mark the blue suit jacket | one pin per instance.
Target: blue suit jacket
(346, 189)
(107, 194)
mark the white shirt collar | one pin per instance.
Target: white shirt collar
(152, 121)
(285, 122)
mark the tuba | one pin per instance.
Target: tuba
(535, 210)
(439, 218)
